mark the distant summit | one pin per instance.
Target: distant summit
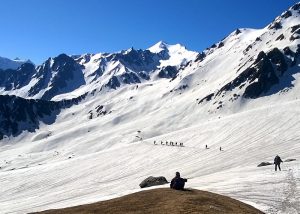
(6, 63)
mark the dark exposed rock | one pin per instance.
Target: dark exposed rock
(296, 6)
(168, 72)
(61, 74)
(43, 75)
(294, 37)
(207, 98)
(200, 57)
(286, 14)
(66, 70)
(16, 111)
(247, 49)
(144, 75)
(287, 51)
(264, 164)
(260, 76)
(113, 83)
(257, 39)
(18, 114)
(15, 79)
(237, 31)
(260, 56)
(221, 44)
(213, 46)
(248, 74)
(153, 181)
(129, 78)
(140, 60)
(182, 87)
(294, 28)
(280, 37)
(296, 55)
(266, 78)
(275, 25)
(278, 59)
(100, 110)
(296, 33)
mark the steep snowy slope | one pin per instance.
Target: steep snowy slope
(242, 94)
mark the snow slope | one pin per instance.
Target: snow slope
(104, 147)
(104, 160)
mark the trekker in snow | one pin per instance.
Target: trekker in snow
(277, 161)
(178, 182)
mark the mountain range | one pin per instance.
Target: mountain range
(64, 122)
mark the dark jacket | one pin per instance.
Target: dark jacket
(178, 183)
(277, 160)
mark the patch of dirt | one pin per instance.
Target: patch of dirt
(164, 201)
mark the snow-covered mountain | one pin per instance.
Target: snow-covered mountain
(6, 63)
(241, 94)
(66, 77)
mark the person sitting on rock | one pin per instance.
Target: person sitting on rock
(277, 161)
(178, 182)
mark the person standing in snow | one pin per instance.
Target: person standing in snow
(277, 161)
(178, 182)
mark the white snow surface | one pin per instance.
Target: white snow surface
(179, 55)
(79, 160)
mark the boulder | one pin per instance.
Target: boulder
(153, 181)
(264, 164)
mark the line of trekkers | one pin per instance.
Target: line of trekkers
(168, 143)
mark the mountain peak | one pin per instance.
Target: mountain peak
(6, 63)
(158, 47)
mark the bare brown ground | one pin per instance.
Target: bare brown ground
(164, 201)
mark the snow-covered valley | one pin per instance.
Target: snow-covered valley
(242, 95)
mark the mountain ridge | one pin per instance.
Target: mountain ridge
(122, 130)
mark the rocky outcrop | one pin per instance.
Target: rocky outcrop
(18, 114)
(168, 72)
(259, 77)
(153, 181)
(66, 76)
(16, 79)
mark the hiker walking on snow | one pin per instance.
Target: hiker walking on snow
(178, 182)
(277, 161)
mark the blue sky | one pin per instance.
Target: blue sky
(38, 29)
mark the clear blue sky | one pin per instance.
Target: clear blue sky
(38, 29)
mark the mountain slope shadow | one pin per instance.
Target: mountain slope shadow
(18, 114)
